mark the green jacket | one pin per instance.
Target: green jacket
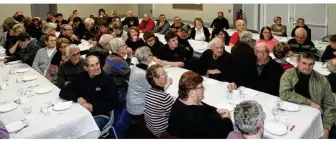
(7, 22)
(320, 93)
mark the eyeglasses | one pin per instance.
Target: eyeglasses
(76, 54)
(261, 53)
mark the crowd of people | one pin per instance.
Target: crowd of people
(112, 84)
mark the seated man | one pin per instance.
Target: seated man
(332, 76)
(28, 49)
(99, 96)
(67, 32)
(302, 85)
(172, 54)
(249, 118)
(147, 24)
(220, 22)
(44, 55)
(301, 43)
(117, 66)
(269, 71)
(177, 24)
(90, 28)
(68, 70)
(152, 42)
(102, 49)
(330, 51)
(60, 21)
(131, 20)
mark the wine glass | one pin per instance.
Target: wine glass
(27, 110)
(275, 112)
(5, 79)
(229, 96)
(29, 92)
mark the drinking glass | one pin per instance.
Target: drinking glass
(229, 96)
(27, 110)
(29, 91)
(275, 112)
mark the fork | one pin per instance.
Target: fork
(22, 128)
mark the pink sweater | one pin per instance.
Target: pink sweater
(269, 43)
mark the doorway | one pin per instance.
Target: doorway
(41, 10)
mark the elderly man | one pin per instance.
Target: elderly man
(117, 66)
(302, 85)
(44, 55)
(300, 23)
(249, 118)
(301, 43)
(220, 22)
(332, 76)
(68, 70)
(269, 71)
(102, 49)
(177, 24)
(172, 54)
(147, 24)
(67, 32)
(130, 20)
(99, 96)
(90, 28)
(11, 20)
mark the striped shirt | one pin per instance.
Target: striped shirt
(157, 110)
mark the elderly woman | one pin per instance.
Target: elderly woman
(48, 28)
(240, 27)
(278, 28)
(44, 55)
(57, 60)
(267, 38)
(192, 118)
(162, 26)
(134, 41)
(11, 44)
(118, 31)
(157, 102)
(68, 70)
(200, 32)
(247, 37)
(281, 50)
(138, 85)
(249, 118)
(332, 76)
(221, 34)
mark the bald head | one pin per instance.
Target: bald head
(217, 46)
(105, 40)
(300, 35)
(262, 52)
(261, 47)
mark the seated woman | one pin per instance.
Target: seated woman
(157, 102)
(192, 118)
(138, 86)
(11, 44)
(57, 60)
(200, 32)
(267, 38)
(3, 131)
(278, 28)
(162, 26)
(249, 118)
(330, 51)
(118, 31)
(221, 34)
(281, 50)
(240, 27)
(134, 41)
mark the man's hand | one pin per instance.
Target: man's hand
(232, 86)
(74, 37)
(224, 113)
(129, 51)
(88, 106)
(318, 107)
(81, 100)
(326, 134)
(214, 71)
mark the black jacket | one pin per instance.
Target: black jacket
(99, 52)
(59, 25)
(328, 54)
(127, 21)
(34, 31)
(26, 55)
(71, 41)
(67, 72)
(99, 91)
(332, 80)
(156, 46)
(206, 33)
(220, 23)
(134, 45)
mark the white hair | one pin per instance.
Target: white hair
(215, 41)
(89, 21)
(69, 48)
(48, 27)
(115, 44)
(106, 38)
(142, 54)
(17, 26)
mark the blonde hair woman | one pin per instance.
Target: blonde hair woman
(48, 28)
(240, 27)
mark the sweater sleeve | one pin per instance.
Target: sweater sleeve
(68, 92)
(328, 106)
(60, 77)
(149, 27)
(234, 38)
(212, 24)
(165, 28)
(327, 54)
(36, 62)
(206, 34)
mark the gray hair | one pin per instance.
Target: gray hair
(115, 44)
(248, 115)
(215, 41)
(17, 26)
(105, 38)
(142, 54)
(69, 48)
(247, 37)
(89, 21)
(332, 65)
(48, 27)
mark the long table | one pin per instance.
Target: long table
(75, 122)
(307, 121)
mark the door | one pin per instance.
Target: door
(251, 17)
(145, 9)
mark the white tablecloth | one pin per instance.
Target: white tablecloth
(308, 121)
(75, 122)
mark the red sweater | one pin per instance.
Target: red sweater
(146, 26)
(234, 38)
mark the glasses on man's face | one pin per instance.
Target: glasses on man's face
(69, 29)
(52, 40)
(76, 54)
(261, 53)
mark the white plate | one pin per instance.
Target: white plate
(14, 62)
(62, 106)
(22, 70)
(29, 78)
(15, 126)
(275, 128)
(43, 90)
(8, 107)
(287, 106)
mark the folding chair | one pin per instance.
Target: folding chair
(105, 131)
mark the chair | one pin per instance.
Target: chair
(105, 131)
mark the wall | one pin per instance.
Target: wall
(208, 14)
(331, 19)
(8, 10)
(86, 10)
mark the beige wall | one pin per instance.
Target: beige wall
(331, 19)
(208, 14)
(8, 10)
(86, 10)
